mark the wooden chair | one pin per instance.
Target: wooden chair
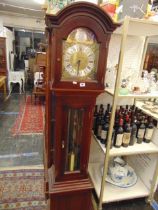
(39, 76)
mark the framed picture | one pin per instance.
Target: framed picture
(133, 8)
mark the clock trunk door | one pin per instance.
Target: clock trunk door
(73, 139)
(75, 124)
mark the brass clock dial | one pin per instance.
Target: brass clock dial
(79, 60)
(80, 56)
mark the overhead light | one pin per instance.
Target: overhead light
(40, 1)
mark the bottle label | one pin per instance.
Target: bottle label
(99, 130)
(119, 139)
(133, 137)
(103, 134)
(126, 138)
(141, 133)
(149, 133)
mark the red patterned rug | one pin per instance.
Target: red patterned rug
(30, 119)
(22, 189)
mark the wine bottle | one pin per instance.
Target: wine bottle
(126, 108)
(119, 134)
(100, 124)
(117, 118)
(133, 138)
(107, 112)
(126, 120)
(97, 122)
(113, 137)
(149, 131)
(141, 131)
(101, 109)
(127, 134)
(104, 132)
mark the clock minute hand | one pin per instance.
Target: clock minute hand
(78, 66)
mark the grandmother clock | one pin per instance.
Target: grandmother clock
(78, 38)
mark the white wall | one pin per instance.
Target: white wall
(131, 64)
(9, 43)
(1, 27)
(21, 21)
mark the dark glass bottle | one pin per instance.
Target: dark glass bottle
(126, 108)
(100, 124)
(126, 120)
(117, 117)
(133, 138)
(146, 120)
(141, 131)
(119, 134)
(149, 131)
(107, 112)
(139, 118)
(127, 134)
(101, 109)
(113, 137)
(97, 122)
(104, 132)
(98, 119)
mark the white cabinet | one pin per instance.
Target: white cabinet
(142, 157)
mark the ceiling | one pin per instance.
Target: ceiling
(25, 7)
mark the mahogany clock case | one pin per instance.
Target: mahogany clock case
(70, 103)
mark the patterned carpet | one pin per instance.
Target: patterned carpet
(22, 189)
(30, 119)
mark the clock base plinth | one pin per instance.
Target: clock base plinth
(71, 195)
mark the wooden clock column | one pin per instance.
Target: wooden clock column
(78, 38)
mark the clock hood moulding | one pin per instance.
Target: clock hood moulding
(87, 62)
(87, 8)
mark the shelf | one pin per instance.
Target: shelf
(147, 95)
(113, 193)
(139, 27)
(130, 150)
(148, 112)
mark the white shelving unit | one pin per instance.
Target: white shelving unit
(142, 157)
(142, 148)
(147, 95)
(113, 193)
(139, 104)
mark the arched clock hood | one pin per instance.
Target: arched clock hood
(82, 9)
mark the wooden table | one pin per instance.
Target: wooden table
(3, 84)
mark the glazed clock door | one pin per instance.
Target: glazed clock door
(74, 139)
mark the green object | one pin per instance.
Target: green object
(60, 4)
(123, 91)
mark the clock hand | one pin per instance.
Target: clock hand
(78, 66)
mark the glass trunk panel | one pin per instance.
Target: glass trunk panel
(74, 138)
